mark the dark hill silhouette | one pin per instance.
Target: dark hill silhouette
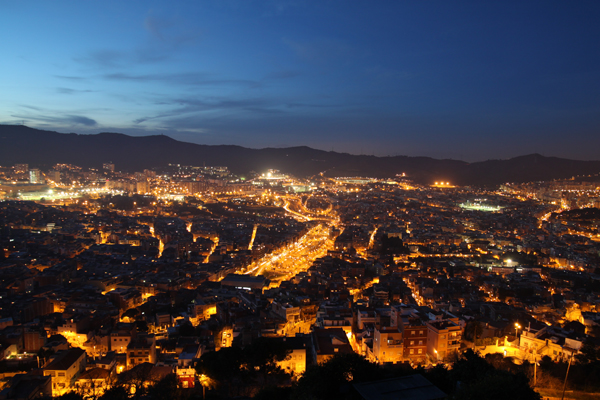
(21, 144)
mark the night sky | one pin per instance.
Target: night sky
(448, 79)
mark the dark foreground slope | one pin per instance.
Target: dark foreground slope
(21, 144)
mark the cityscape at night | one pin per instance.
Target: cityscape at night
(300, 200)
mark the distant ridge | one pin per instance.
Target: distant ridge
(21, 144)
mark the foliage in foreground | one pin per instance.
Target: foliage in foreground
(234, 371)
(471, 377)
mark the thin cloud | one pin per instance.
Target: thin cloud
(32, 107)
(71, 78)
(314, 105)
(64, 90)
(283, 75)
(185, 78)
(60, 120)
(103, 59)
(195, 106)
(171, 33)
(165, 39)
(321, 50)
(156, 26)
(168, 30)
(149, 56)
(186, 108)
(280, 7)
(115, 60)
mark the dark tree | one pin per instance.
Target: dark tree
(440, 377)
(589, 353)
(332, 379)
(70, 396)
(136, 380)
(115, 393)
(480, 380)
(470, 367)
(473, 330)
(274, 392)
(244, 371)
(227, 368)
(44, 355)
(141, 326)
(499, 385)
(186, 329)
(166, 389)
(131, 313)
(262, 357)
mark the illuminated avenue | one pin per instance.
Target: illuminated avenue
(115, 268)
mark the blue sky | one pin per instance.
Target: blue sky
(467, 80)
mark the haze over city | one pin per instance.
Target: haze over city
(462, 80)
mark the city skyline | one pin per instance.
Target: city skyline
(462, 80)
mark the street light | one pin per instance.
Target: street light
(566, 376)
(517, 327)
(205, 381)
(535, 363)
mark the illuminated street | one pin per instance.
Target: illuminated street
(285, 263)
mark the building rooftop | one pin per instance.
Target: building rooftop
(63, 362)
(411, 387)
(439, 325)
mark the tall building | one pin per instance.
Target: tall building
(193, 187)
(140, 350)
(21, 168)
(387, 345)
(35, 176)
(415, 341)
(54, 175)
(443, 338)
(109, 167)
(143, 187)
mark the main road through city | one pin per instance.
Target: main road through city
(286, 262)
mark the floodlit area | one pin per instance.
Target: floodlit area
(480, 207)
(49, 195)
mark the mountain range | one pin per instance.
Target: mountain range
(39, 148)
